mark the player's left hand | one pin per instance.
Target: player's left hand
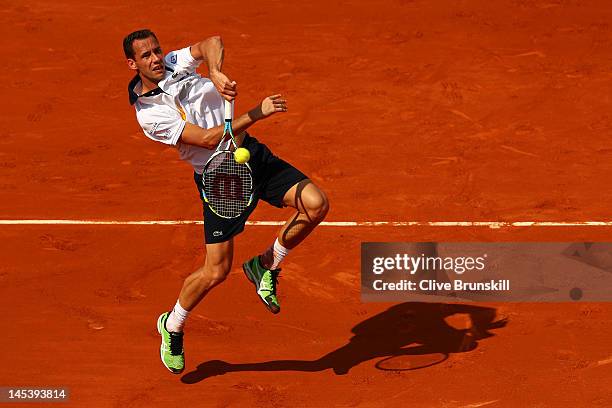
(273, 104)
(224, 85)
(269, 106)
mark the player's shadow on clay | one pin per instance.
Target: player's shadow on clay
(405, 331)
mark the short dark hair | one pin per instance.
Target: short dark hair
(128, 41)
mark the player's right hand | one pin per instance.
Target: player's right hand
(224, 85)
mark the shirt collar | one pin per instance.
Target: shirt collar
(133, 96)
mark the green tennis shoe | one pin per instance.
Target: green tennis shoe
(265, 282)
(171, 350)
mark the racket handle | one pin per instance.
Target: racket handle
(229, 110)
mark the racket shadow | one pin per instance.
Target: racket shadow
(404, 330)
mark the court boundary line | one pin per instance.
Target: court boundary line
(482, 224)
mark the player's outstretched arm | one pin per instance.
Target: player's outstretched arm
(211, 51)
(210, 138)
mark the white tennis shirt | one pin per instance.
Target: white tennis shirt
(182, 96)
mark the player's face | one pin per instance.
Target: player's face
(148, 59)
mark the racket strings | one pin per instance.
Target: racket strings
(227, 185)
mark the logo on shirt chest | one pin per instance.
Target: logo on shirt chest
(177, 73)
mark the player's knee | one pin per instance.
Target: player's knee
(219, 274)
(317, 207)
(215, 274)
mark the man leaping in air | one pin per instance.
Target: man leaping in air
(178, 107)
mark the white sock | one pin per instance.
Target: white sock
(176, 320)
(273, 256)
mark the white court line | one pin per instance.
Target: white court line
(486, 224)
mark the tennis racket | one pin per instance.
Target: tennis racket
(227, 184)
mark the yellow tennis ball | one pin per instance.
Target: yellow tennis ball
(242, 155)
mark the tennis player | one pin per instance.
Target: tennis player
(178, 107)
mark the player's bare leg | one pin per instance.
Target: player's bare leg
(312, 207)
(214, 271)
(170, 324)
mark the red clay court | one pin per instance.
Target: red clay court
(425, 110)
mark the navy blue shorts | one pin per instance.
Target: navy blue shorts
(272, 178)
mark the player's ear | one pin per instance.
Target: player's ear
(132, 64)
